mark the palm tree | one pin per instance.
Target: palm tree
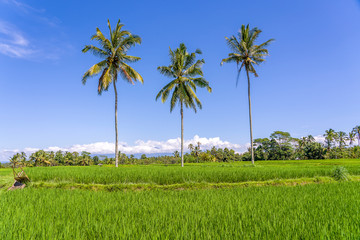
(15, 160)
(356, 130)
(197, 151)
(186, 75)
(342, 138)
(352, 136)
(330, 136)
(310, 139)
(23, 159)
(113, 51)
(246, 54)
(191, 147)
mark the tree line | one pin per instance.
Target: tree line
(279, 146)
(43, 158)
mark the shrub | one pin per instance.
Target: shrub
(340, 174)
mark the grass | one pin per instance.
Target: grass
(193, 173)
(326, 211)
(273, 200)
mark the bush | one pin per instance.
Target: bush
(340, 174)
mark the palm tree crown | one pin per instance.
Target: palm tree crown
(114, 52)
(330, 136)
(187, 75)
(245, 52)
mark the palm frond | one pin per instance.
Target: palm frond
(94, 70)
(166, 71)
(132, 73)
(95, 50)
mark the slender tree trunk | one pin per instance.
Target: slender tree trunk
(182, 135)
(251, 135)
(116, 127)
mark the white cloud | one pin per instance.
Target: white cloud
(140, 146)
(12, 41)
(319, 138)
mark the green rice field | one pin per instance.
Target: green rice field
(301, 200)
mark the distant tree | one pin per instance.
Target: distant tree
(310, 139)
(356, 130)
(143, 156)
(96, 160)
(23, 159)
(281, 137)
(213, 150)
(342, 138)
(40, 158)
(329, 138)
(352, 137)
(314, 150)
(85, 159)
(15, 159)
(246, 54)
(69, 159)
(186, 74)
(197, 151)
(115, 61)
(76, 157)
(59, 158)
(176, 154)
(191, 147)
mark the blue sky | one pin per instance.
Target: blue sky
(309, 83)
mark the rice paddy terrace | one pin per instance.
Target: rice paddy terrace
(273, 200)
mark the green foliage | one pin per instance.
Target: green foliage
(314, 150)
(340, 174)
(244, 50)
(186, 74)
(113, 51)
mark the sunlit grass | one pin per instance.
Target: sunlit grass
(326, 211)
(209, 173)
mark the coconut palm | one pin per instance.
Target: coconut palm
(23, 159)
(342, 138)
(356, 130)
(246, 54)
(115, 61)
(186, 74)
(191, 147)
(310, 139)
(330, 136)
(15, 160)
(352, 136)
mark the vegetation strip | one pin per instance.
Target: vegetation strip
(184, 186)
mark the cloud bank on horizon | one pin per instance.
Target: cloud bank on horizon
(140, 147)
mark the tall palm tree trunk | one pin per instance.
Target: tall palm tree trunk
(116, 127)
(251, 135)
(182, 135)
